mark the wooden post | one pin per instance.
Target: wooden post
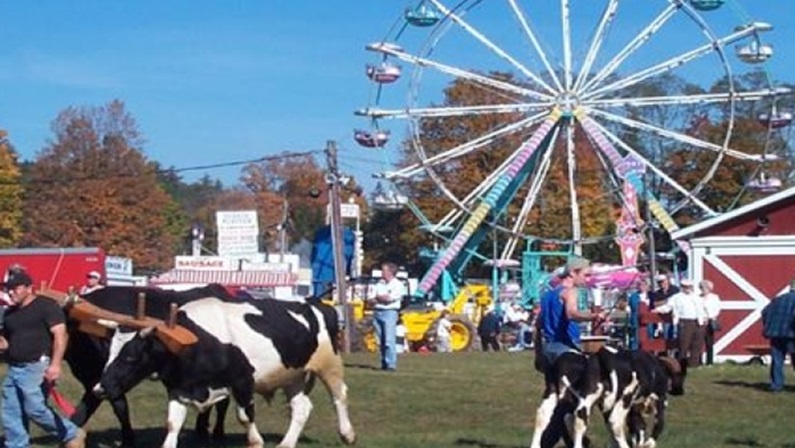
(172, 316)
(140, 312)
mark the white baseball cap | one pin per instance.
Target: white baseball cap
(94, 274)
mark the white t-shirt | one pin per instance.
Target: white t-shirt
(443, 330)
(395, 289)
(712, 305)
(685, 306)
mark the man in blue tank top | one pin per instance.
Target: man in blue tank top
(558, 323)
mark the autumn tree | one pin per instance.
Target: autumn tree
(290, 180)
(93, 186)
(10, 195)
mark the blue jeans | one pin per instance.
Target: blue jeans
(553, 350)
(24, 399)
(779, 348)
(385, 325)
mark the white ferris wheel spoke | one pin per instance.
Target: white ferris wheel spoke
(489, 201)
(702, 98)
(566, 28)
(571, 161)
(596, 44)
(672, 63)
(603, 144)
(678, 136)
(429, 112)
(636, 43)
(492, 46)
(534, 40)
(466, 148)
(472, 198)
(649, 165)
(397, 52)
(474, 195)
(531, 197)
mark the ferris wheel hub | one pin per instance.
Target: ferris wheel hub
(567, 102)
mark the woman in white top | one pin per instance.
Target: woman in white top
(712, 308)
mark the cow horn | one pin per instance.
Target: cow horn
(146, 332)
(672, 364)
(107, 323)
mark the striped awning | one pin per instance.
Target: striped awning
(228, 278)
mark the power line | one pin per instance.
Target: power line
(170, 170)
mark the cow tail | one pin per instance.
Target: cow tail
(331, 319)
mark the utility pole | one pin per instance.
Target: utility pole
(333, 181)
(283, 229)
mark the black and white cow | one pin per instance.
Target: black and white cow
(88, 355)
(627, 387)
(243, 348)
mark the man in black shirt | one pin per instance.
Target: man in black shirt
(35, 337)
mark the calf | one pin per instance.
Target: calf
(87, 355)
(625, 385)
(243, 348)
(629, 386)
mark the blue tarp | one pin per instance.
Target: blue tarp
(323, 258)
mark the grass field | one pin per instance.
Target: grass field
(480, 400)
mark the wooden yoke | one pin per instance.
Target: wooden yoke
(99, 322)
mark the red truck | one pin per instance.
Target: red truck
(60, 268)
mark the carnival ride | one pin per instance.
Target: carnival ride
(557, 97)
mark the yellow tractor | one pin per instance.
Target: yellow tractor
(421, 318)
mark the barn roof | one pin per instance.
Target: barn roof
(768, 201)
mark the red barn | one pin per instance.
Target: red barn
(749, 254)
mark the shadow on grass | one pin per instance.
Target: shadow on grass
(148, 437)
(765, 387)
(349, 365)
(483, 444)
(743, 442)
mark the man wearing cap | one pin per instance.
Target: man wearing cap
(92, 283)
(35, 336)
(558, 322)
(778, 324)
(690, 315)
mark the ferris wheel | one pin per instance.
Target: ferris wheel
(555, 95)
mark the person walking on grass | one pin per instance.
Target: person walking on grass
(443, 330)
(489, 330)
(778, 325)
(35, 338)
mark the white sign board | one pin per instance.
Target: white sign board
(238, 233)
(204, 263)
(115, 266)
(347, 210)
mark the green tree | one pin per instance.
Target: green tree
(92, 186)
(10, 195)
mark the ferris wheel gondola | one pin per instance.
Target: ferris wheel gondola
(551, 105)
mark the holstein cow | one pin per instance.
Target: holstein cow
(88, 355)
(630, 385)
(626, 385)
(243, 348)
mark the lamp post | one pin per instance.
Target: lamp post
(196, 237)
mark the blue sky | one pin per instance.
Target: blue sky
(212, 81)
